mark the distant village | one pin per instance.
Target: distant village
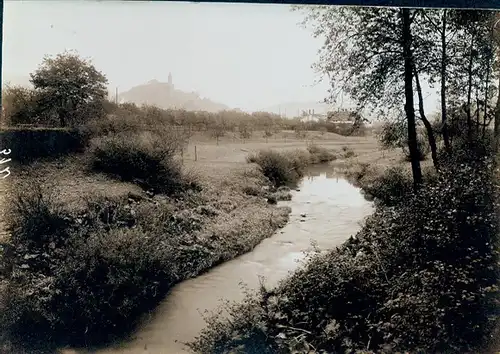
(340, 116)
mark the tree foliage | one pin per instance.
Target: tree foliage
(70, 88)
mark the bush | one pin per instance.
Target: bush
(21, 106)
(29, 144)
(422, 146)
(58, 270)
(147, 159)
(320, 154)
(348, 152)
(392, 187)
(281, 168)
(413, 279)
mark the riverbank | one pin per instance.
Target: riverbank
(406, 281)
(326, 209)
(118, 243)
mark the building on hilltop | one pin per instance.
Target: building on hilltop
(170, 83)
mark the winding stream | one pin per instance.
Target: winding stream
(326, 209)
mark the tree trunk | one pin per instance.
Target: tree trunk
(496, 127)
(409, 109)
(469, 91)
(427, 124)
(444, 121)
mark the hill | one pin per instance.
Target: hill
(164, 95)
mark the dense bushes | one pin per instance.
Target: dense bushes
(420, 276)
(320, 154)
(29, 144)
(147, 159)
(286, 168)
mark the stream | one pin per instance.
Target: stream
(326, 210)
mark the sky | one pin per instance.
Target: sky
(246, 56)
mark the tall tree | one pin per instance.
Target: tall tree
(406, 40)
(365, 55)
(70, 86)
(495, 41)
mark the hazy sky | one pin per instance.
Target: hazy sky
(243, 55)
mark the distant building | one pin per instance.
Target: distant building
(311, 116)
(170, 82)
(341, 117)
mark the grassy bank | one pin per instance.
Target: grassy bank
(84, 275)
(413, 279)
(82, 266)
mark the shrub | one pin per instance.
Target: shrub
(320, 154)
(391, 187)
(422, 146)
(147, 159)
(29, 144)
(21, 105)
(281, 168)
(91, 287)
(276, 166)
(348, 152)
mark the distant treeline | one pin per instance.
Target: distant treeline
(70, 92)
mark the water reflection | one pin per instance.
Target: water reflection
(326, 210)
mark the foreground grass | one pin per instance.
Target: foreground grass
(420, 276)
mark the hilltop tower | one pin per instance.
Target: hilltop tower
(170, 79)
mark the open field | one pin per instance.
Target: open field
(234, 150)
(215, 162)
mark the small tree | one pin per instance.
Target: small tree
(268, 132)
(218, 129)
(245, 131)
(20, 105)
(71, 87)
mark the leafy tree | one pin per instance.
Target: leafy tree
(245, 130)
(219, 129)
(366, 54)
(19, 105)
(70, 87)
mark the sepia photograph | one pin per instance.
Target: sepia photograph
(211, 178)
